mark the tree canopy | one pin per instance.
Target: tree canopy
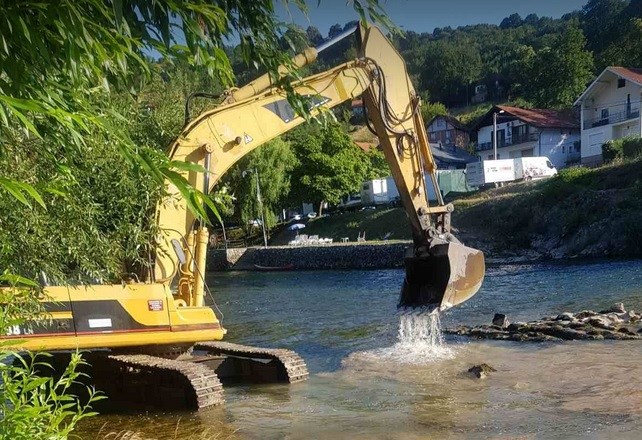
(330, 165)
(448, 63)
(558, 74)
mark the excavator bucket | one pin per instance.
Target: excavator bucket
(447, 275)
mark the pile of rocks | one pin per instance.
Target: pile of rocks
(613, 323)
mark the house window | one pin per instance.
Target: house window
(433, 136)
(448, 134)
(605, 113)
(563, 149)
(621, 82)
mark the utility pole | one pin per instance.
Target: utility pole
(495, 135)
(495, 132)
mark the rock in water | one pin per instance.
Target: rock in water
(566, 316)
(585, 314)
(481, 371)
(500, 320)
(615, 308)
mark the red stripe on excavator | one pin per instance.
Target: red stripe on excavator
(189, 327)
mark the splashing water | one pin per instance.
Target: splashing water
(423, 328)
(419, 340)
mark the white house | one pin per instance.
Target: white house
(610, 109)
(530, 132)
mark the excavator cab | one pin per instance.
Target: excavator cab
(442, 276)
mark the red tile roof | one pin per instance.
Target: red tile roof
(543, 118)
(629, 73)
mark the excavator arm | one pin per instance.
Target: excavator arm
(163, 343)
(440, 272)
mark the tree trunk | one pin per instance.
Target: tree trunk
(320, 209)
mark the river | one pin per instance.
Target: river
(342, 323)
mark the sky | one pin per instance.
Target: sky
(426, 15)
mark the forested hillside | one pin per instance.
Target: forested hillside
(544, 61)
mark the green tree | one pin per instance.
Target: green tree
(274, 162)
(314, 36)
(559, 73)
(59, 57)
(625, 48)
(330, 165)
(601, 23)
(512, 21)
(431, 109)
(449, 67)
(377, 165)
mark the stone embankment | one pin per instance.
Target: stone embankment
(322, 257)
(613, 323)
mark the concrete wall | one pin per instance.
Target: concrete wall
(335, 256)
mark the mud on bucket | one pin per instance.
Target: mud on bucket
(448, 275)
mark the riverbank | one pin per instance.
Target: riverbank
(365, 255)
(581, 212)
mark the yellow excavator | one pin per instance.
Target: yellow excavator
(154, 340)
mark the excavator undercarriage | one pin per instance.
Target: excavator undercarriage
(180, 377)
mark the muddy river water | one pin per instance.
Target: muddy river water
(362, 386)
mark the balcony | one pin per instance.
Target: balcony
(513, 140)
(612, 118)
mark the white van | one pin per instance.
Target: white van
(530, 168)
(509, 170)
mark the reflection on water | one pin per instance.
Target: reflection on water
(342, 323)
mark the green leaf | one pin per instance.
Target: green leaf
(187, 166)
(117, 6)
(32, 192)
(17, 280)
(14, 190)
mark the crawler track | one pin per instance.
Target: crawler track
(293, 368)
(194, 381)
(156, 381)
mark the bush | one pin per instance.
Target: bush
(34, 406)
(575, 175)
(628, 147)
(611, 150)
(631, 147)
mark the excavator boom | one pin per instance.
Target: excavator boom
(441, 272)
